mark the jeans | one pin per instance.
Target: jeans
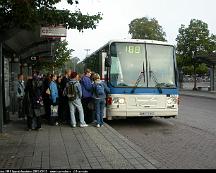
(73, 105)
(99, 110)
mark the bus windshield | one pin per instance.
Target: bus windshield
(140, 65)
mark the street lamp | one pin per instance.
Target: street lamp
(87, 50)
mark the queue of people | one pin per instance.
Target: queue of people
(68, 99)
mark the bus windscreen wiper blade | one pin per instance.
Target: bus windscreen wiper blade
(167, 85)
(153, 76)
(139, 79)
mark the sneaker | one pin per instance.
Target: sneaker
(102, 125)
(98, 125)
(74, 125)
(83, 125)
(56, 123)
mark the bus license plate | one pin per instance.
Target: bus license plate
(146, 113)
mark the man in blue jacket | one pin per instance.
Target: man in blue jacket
(86, 85)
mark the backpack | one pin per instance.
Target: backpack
(71, 91)
(99, 89)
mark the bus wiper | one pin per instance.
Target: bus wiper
(139, 79)
(137, 82)
(167, 85)
(153, 76)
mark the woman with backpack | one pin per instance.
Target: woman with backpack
(100, 90)
(73, 92)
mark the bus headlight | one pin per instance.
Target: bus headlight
(121, 100)
(118, 100)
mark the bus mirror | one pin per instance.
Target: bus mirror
(108, 62)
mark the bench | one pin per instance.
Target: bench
(202, 87)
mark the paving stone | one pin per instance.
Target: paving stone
(58, 147)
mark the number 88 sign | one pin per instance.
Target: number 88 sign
(133, 49)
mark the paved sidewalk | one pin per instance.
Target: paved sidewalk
(63, 147)
(204, 94)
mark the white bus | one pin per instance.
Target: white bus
(142, 76)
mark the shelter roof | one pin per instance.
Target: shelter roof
(208, 59)
(26, 44)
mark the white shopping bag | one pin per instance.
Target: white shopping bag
(54, 110)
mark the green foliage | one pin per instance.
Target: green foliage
(71, 64)
(180, 62)
(62, 53)
(144, 28)
(194, 40)
(25, 14)
(200, 69)
(188, 70)
(80, 68)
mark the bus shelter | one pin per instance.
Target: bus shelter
(19, 50)
(210, 60)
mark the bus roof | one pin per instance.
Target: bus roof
(131, 41)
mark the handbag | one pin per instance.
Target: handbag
(54, 110)
(39, 111)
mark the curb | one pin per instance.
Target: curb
(200, 96)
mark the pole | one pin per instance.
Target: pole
(87, 50)
(1, 89)
(213, 86)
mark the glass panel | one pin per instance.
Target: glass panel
(160, 66)
(128, 63)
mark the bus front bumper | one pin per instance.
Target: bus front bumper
(141, 113)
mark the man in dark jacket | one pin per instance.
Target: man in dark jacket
(86, 85)
(45, 96)
(33, 102)
(64, 109)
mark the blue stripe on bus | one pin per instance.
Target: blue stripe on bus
(143, 91)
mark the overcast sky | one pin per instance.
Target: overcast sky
(117, 14)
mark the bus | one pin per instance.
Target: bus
(142, 76)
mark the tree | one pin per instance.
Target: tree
(26, 14)
(144, 28)
(80, 67)
(192, 41)
(71, 63)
